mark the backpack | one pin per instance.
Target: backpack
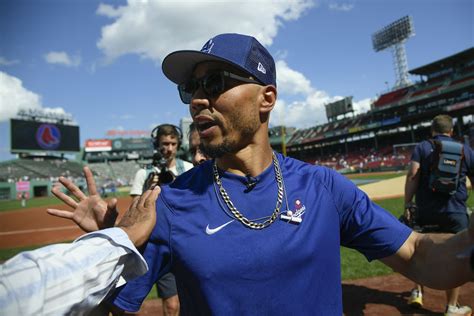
(446, 166)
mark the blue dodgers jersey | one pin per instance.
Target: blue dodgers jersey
(225, 268)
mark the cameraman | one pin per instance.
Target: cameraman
(441, 212)
(166, 141)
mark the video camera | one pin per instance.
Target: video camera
(161, 173)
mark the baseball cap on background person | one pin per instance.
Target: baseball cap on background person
(241, 51)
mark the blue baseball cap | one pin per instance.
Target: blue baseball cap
(241, 51)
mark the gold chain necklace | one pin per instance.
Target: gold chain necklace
(241, 218)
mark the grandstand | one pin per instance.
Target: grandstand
(402, 116)
(380, 139)
(279, 136)
(115, 161)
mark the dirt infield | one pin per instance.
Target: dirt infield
(33, 226)
(385, 295)
(388, 295)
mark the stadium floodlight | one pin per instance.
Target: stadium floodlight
(394, 36)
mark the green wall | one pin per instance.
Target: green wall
(37, 188)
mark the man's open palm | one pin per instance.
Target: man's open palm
(89, 212)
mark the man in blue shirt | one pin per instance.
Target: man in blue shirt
(447, 213)
(254, 232)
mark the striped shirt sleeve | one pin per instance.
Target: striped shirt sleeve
(68, 278)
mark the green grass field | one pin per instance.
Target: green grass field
(376, 176)
(36, 202)
(354, 265)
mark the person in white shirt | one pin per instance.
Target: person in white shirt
(74, 278)
(167, 140)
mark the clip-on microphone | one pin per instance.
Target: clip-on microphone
(251, 182)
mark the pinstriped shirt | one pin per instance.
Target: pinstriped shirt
(68, 278)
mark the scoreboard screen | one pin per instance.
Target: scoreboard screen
(28, 136)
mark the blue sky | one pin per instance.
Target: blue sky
(100, 60)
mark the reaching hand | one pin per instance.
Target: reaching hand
(407, 215)
(91, 212)
(140, 218)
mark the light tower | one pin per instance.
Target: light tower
(394, 36)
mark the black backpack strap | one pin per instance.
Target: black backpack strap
(436, 153)
(461, 161)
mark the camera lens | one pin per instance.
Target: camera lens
(166, 177)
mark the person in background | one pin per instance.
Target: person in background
(166, 140)
(197, 156)
(73, 278)
(445, 213)
(23, 199)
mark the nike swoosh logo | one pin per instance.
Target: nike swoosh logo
(211, 231)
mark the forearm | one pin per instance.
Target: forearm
(436, 262)
(411, 186)
(80, 274)
(140, 219)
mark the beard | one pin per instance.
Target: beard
(229, 145)
(217, 151)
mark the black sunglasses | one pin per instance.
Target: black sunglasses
(212, 84)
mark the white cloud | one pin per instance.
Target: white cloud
(303, 113)
(152, 29)
(6, 62)
(309, 110)
(362, 106)
(56, 111)
(62, 58)
(290, 81)
(108, 11)
(341, 7)
(15, 97)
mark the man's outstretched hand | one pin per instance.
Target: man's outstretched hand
(139, 220)
(91, 212)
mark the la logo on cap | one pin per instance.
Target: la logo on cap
(208, 47)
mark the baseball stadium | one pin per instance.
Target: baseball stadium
(373, 149)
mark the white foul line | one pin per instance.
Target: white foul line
(37, 230)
